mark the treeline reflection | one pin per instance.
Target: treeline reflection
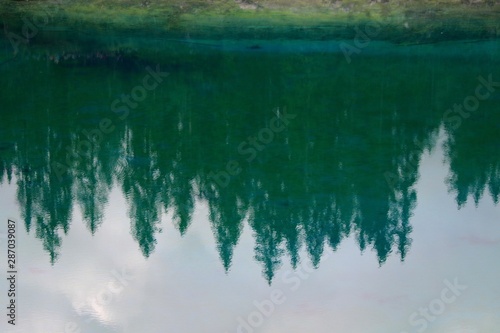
(319, 181)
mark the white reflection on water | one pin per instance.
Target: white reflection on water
(182, 286)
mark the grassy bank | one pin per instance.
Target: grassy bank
(412, 21)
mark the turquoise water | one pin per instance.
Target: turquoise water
(252, 185)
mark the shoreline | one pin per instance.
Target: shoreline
(399, 22)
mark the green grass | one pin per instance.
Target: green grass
(267, 18)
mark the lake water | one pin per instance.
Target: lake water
(181, 185)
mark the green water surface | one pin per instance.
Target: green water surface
(133, 149)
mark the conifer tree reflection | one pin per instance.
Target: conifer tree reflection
(318, 181)
(473, 159)
(93, 174)
(46, 200)
(141, 187)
